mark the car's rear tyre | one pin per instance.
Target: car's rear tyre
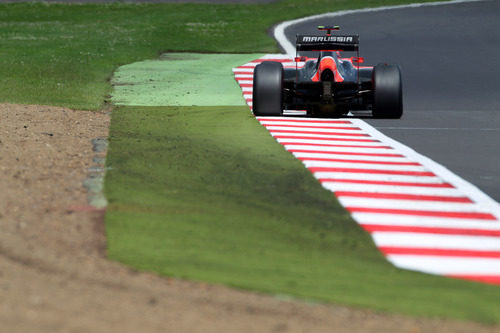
(268, 89)
(387, 92)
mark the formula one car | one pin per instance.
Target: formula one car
(329, 84)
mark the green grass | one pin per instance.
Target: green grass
(61, 54)
(181, 79)
(204, 193)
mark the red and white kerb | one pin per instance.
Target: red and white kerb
(420, 215)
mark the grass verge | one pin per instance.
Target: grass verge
(203, 193)
(181, 79)
(62, 54)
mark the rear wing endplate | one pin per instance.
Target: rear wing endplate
(331, 43)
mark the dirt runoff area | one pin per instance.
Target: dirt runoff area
(54, 276)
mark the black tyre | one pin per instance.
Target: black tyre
(388, 92)
(268, 89)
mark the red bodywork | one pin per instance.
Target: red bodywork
(327, 64)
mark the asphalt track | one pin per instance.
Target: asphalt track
(450, 60)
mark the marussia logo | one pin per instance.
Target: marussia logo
(338, 39)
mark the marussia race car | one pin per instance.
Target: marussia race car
(327, 85)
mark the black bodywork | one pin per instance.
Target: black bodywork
(335, 89)
(327, 84)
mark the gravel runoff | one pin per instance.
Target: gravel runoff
(54, 275)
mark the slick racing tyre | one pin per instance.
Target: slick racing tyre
(388, 92)
(268, 89)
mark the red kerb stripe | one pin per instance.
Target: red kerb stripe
(490, 279)
(388, 250)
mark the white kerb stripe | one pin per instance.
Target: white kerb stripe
(341, 149)
(369, 188)
(245, 81)
(436, 241)
(312, 129)
(243, 70)
(278, 118)
(324, 142)
(432, 206)
(447, 265)
(320, 135)
(305, 123)
(350, 157)
(425, 221)
(377, 177)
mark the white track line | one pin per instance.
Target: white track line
(289, 48)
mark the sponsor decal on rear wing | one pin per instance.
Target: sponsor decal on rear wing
(334, 43)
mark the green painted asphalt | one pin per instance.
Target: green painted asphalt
(181, 79)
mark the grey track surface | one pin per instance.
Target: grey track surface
(450, 59)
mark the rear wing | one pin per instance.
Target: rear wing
(331, 43)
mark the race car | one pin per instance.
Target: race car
(327, 84)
